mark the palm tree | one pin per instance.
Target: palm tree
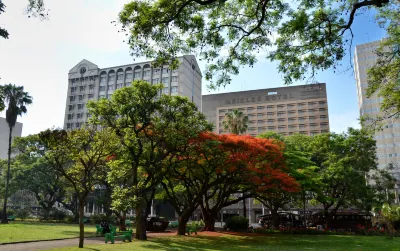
(15, 99)
(390, 215)
(235, 121)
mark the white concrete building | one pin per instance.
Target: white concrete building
(387, 140)
(4, 134)
(86, 81)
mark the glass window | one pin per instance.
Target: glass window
(102, 88)
(73, 89)
(82, 88)
(102, 79)
(120, 76)
(174, 79)
(129, 76)
(156, 80)
(71, 107)
(146, 73)
(174, 89)
(111, 78)
(81, 97)
(137, 74)
(71, 98)
(165, 90)
(165, 80)
(90, 96)
(70, 116)
(110, 87)
(102, 96)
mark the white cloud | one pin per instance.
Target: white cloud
(341, 121)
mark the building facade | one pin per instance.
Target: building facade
(286, 110)
(86, 81)
(388, 139)
(4, 129)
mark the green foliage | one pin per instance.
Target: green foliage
(98, 218)
(237, 223)
(235, 122)
(383, 77)
(305, 36)
(22, 213)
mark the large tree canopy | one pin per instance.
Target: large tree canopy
(303, 35)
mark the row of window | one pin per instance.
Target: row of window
(387, 136)
(82, 81)
(372, 101)
(373, 57)
(388, 155)
(81, 97)
(388, 145)
(371, 110)
(79, 115)
(279, 107)
(77, 125)
(364, 49)
(82, 88)
(262, 130)
(128, 75)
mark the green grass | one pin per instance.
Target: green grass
(268, 243)
(28, 231)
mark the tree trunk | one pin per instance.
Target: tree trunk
(274, 218)
(209, 221)
(244, 207)
(140, 223)
(182, 225)
(81, 226)
(4, 214)
(122, 219)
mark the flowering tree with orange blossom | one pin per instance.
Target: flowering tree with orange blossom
(249, 165)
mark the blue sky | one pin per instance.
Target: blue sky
(39, 55)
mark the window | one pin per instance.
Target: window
(120, 76)
(128, 84)
(102, 88)
(111, 78)
(102, 96)
(260, 108)
(102, 79)
(129, 76)
(80, 106)
(259, 116)
(137, 74)
(174, 79)
(108, 96)
(91, 88)
(156, 70)
(165, 90)
(119, 86)
(71, 107)
(82, 88)
(71, 98)
(165, 70)
(72, 81)
(79, 115)
(88, 115)
(90, 96)
(81, 97)
(68, 126)
(78, 125)
(174, 89)
(165, 80)
(73, 89)
(110, 87)
(70, 116)
(272, 93)
(146, 73)
(156, 80)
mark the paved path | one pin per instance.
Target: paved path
(43, 245)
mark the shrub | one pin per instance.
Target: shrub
(98, 218)
(22, 213)
(196, 224)
(237, 223)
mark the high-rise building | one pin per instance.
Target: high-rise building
(286, 110)
(4, 134)
(388, 139)
(86, 81)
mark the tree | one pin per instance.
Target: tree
(37, 175)
(344, 162)
(16, 100)
(311, 35)
(383, 77)
(150, 127)
(235, 122)
(240, 167)
(390, 215)
(79, 156)
(298, 166)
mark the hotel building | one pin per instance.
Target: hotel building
(388, 139)
(86, 81)
(286, 110)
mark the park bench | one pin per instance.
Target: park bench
(11, 218)
(191, 229)
(124, 235)
(99, 230)
(173, 224)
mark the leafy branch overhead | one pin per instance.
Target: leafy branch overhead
(304, 35)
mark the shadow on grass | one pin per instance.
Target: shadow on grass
(270, 242)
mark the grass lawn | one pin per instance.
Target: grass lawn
(27, 231)
(270, 243)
